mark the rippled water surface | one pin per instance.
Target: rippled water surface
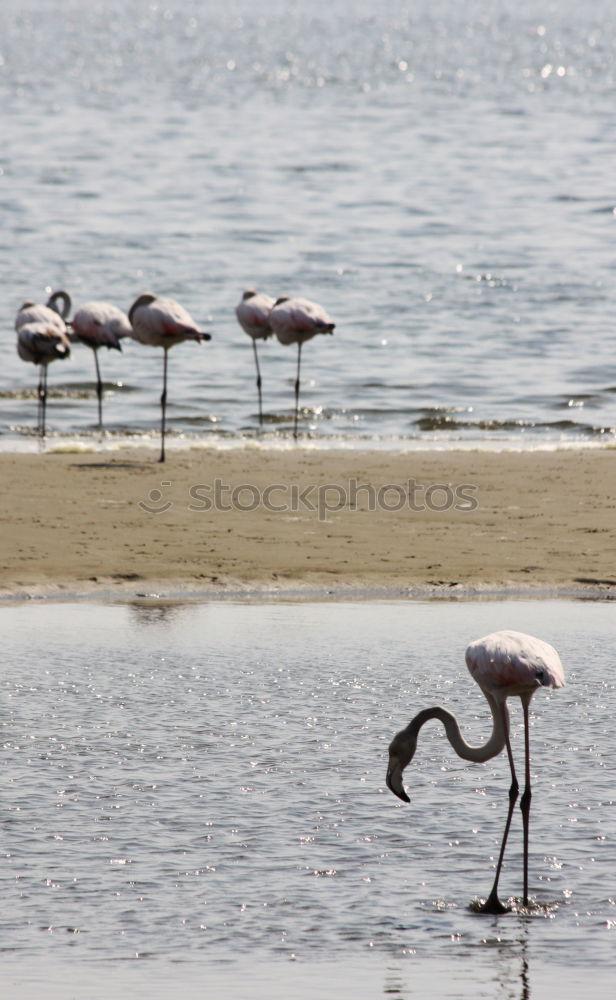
(193, 797)
(440, 177)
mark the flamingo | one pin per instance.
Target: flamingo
(42, 338)
(162, 322)
(294, 321)
(253, 316)
(504, 664)
(52, 314)
(100, 324)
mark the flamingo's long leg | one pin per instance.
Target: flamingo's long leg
(43, 400)
(99, 390)
(526, 796)
(163, 408)
(254, 347)
(299, 361)
(493, 903)
(39, 401)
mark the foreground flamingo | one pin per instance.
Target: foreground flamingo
(295, 321)
(253, 316)
(100, 324)
(504, 664)
(162, 322)
(42, 338)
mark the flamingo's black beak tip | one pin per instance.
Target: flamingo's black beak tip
(397, 788)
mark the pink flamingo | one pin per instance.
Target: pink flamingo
(253, 313)
(42, 338)
(100, 324)
(294, 321)
(504, 664)
(162, 322)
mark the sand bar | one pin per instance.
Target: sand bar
(256, 520)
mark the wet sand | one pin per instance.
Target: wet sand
(268, 521)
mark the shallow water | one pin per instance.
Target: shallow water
(194, 793)
(440, 178)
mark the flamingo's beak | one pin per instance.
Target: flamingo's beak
(393, 780)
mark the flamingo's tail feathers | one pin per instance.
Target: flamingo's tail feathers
(189, 333)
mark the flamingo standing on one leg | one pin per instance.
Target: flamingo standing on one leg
(253, 316)
(162, 322)
(294, 321)
(42, 338)
(100, 324)
(504, 664)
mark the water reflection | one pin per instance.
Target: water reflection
(505, 975)
(155, 610)
(513, 967)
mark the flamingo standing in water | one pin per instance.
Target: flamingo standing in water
(42, 338)
(162, 322)
(253, 316)
(295, 321)
(100, 324)
(504, 664)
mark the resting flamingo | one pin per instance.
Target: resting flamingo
(504, 664)
(100, 324)
(295, 321)
(162, 322)
(253, 316)
(42, 338)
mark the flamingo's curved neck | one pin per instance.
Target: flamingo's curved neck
(496, 742)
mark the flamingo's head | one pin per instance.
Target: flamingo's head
(401, 753)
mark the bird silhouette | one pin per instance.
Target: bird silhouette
(42, 337)
(504, 664)
(162, 322)
(294, 321)
(253, 313)
(100, 324)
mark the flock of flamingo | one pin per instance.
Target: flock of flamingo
(45, 334)
(504, 664)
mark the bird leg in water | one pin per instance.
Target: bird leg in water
(299, 361)
(493, 903)
(526, 797)
(39, 400)
(163, 407)
(254, 347)
(42, 395)
(99, 391)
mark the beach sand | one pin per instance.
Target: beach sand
(255, 520)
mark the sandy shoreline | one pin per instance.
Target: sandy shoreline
(270, 521)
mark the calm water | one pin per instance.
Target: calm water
(193, 795)
(440, 177)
